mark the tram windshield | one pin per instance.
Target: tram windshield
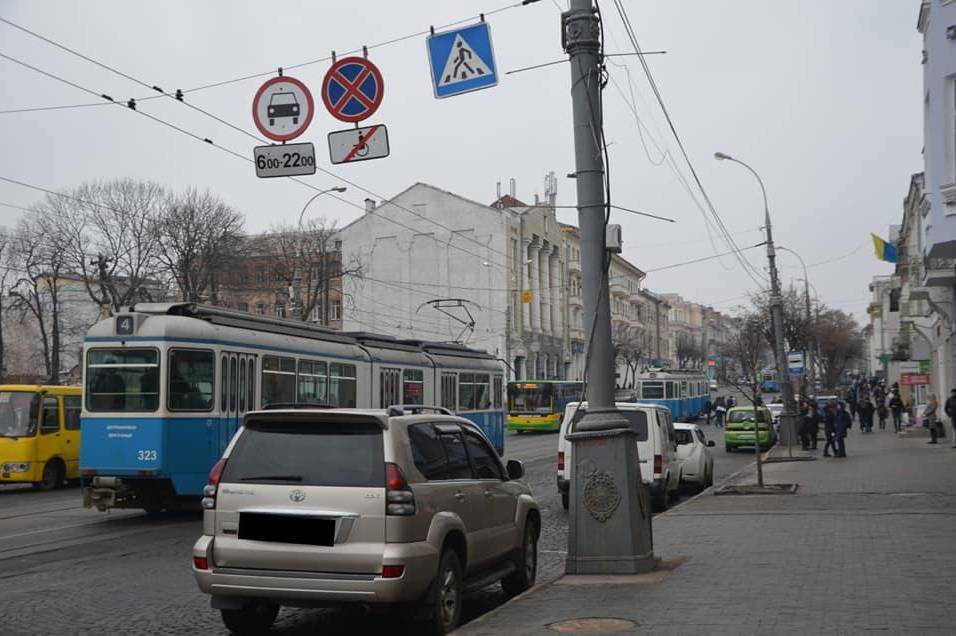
(122, 380)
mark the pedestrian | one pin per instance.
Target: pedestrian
(851, 400)
(708, 410)
(896, 408)
(866, 414)
(841, 423)
(731, 402)
(814, 424)
(950, 409)
(829, 420)
(930, 418)
(804, 426)
(881, 413)
(720, 410)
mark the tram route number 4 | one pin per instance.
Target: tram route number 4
(287, 160)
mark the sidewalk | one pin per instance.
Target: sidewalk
(868, 543)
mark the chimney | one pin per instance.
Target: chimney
(499, 191)
(369, 206)
(513, 187)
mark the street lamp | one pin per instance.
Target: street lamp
(296, 311)
(788, 415)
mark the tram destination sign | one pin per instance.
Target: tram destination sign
(287, 160)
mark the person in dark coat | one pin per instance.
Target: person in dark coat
(930, 415)
(881, 413)
(950, 409)
(896, 409)
(829, 420)
(841, 423)
(866, 415)
(805, 423)
(708, 410)
(814, 424)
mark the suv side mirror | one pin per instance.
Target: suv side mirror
(515, 469)
(711, 442)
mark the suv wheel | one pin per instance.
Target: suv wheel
(527, 563)
(445, 596)
(254, 619)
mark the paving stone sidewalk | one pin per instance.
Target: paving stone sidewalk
(865, 545)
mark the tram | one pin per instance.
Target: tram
(166, 386)
(683, 391)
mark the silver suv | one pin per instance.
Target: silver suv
(320, 507)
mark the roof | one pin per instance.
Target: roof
(508, 201)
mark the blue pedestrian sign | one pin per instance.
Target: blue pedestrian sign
(462, 60)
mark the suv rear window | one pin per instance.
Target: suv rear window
(637, 420)
(308, 454)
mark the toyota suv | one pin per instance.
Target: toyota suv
(315, 507)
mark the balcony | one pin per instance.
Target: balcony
(618, 288)
(575, 301)
(574, 267)
(939, 272)
(576, 333)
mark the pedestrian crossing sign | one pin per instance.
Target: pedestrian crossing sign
(462, 60)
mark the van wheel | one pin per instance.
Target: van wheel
(566, 500)
(527, 563)
(444, 598)
(52, 476)
(254, 619)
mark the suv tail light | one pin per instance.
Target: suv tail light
(560, 460)
(399, 498)
(209, 490)
(658, 463)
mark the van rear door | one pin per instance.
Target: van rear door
(303, 494)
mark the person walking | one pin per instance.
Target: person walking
(950, 408)
(720, 410)
(708, 410)
(929, 418)
(829, 421)
(866, 415)
(896, 408)
(881, 413)
(814, 424)
(804, 426)
(841, 423)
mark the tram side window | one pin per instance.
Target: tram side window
(278, 380)
(683, 388)
(313, 380)
(223, 383)
(449, 391)
(191, 379)
(413, 386)
(671, 390)
(466, 392)
(497, 391)
(252, 384)
(124, 380)
(242, 385)
(482, 391)
(652, 390)
(342, 385)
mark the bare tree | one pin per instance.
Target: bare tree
(840, 342)
(107, 232)
(199, 236)
(309, 261)
(629, 350)
(688, 351)
(4, 276)
(748, 347)
(797, 328)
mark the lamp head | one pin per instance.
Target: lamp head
(719, 156)
(339, 189)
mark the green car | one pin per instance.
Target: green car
(740, 426)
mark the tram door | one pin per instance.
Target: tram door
(237, 377)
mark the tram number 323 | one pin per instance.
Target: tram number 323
(285, 161)
(146, 455)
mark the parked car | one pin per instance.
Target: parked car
(408, 507)
(770, 386)
(695, 456)
(656, 449)
(746, 426)
(775, 408)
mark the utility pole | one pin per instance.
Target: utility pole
(609, 525)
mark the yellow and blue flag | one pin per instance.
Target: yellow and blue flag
(885, 251)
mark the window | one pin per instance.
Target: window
(700, 436)
(482, 391)
(335, 310)
(497, 391)
(72, 406)
(317, 313)
(316, 271)
(252, 384)
(278, 380)
(125, 380)
(652, 390)
(50, 419)
(191, 380)
(683, 437)
(280, 310)
(260, 275)
(313, 381)
(223, 384)
(413, 386)
(389, 389)
(233, 385)
(466, 392)
(427, 451)
(260, 309)
(483, 460)
(449, 391)
(671, 390)
(342, 385)
(242, 385)
(637, 421)
(458, 466)
(243, 307)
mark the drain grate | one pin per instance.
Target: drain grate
(592, 626)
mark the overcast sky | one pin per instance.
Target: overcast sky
(822, 98)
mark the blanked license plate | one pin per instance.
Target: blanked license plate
(745, 436)
(257, 526)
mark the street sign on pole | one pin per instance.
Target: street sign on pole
(462, 60)
(282, 108)
(358, 144)
(352, 89)
(795, 364)
(287, 160)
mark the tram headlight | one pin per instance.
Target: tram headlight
(15, 467)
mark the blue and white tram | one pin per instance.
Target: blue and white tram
(166, 386)
(683, 391)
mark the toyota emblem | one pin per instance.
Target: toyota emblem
(297, 495)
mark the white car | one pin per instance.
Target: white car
(775, 408)
(697, 460)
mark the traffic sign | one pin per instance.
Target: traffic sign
(358, 144)
(462, 60)
(795, 363)
(287, 160)
(282, 108)
(352, 89)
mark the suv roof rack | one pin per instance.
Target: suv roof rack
(275, 406)
(415, 409)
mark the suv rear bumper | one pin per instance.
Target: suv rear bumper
(322, 588)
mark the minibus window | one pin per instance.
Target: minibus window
(18, 413)
(50, 422)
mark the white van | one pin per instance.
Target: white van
(656, 449)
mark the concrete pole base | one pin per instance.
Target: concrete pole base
(609, 525)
